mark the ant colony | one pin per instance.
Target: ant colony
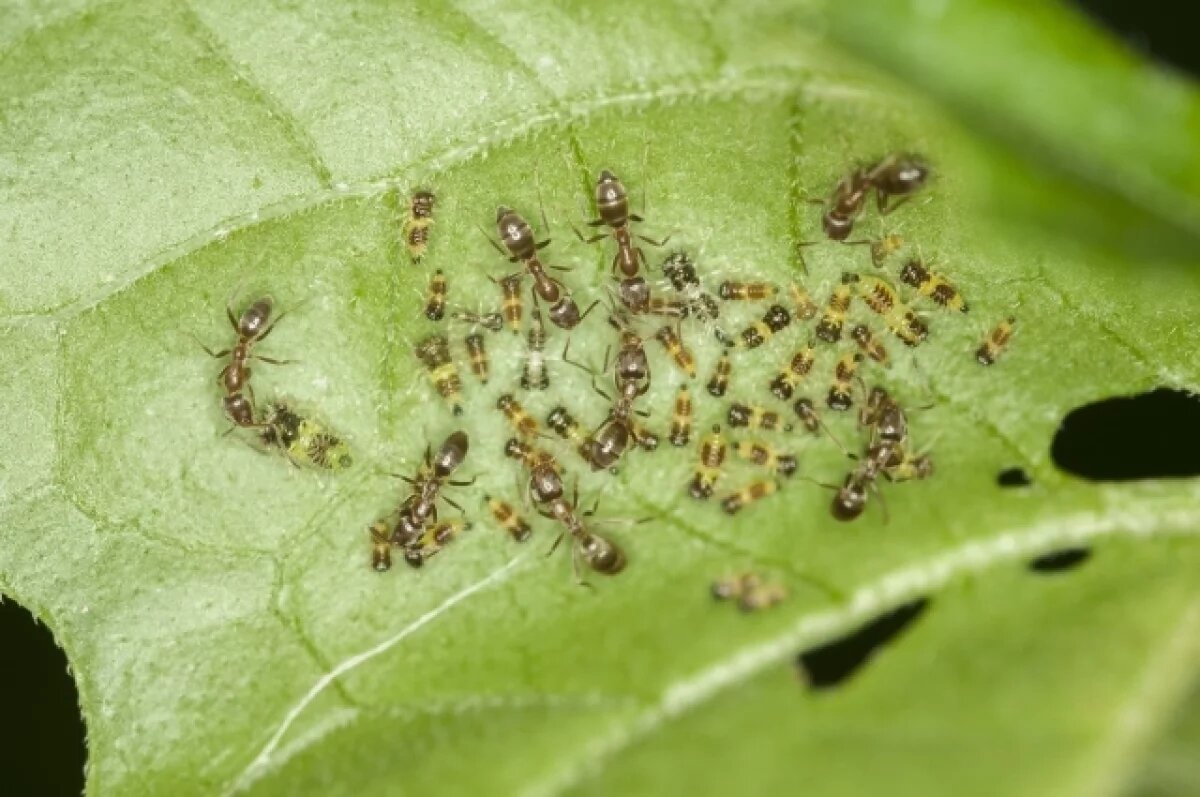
(828, 348)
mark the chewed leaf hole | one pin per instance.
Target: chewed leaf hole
(1013, 477)
(833, 663)
(1059, 561)
(44, 742)
(1154, 435)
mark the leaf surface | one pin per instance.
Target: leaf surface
(216, 605)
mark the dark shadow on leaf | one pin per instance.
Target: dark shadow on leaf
(831, 664)
(1154, 435)
(1060, 561)
(1013, 477)
(42, 738)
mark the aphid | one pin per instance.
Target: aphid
(884, 417)
(493, 322)
(910, 467)
(416, 226)
(303, 440)
(565, 426)
(612, 202)
(996, 341)
(744, 416)
(435, 302)
(775, 320)
(680, 271)
(840, 397)
(673, 345)
(933, 285)
(512, 307)
(898, 175)
(765, 456)
(869, 344)
(524, 423)
(807, 414)
(703, 307)
(802, 304)
(797, 369)
(719, 382)
(477, 352)
(518, 239)
(746, 291)
(884, 301)
(829, 328)
(881, 248)
(534, 373)
(436, 537)
(708, 471)
(381, 547)
(737, 501)
(875, 293)
(907, 325)
(644, 437)
(668, 308)
(420, 507)
(751, 593)
(434, 353)
(681, 420)
(506, 515)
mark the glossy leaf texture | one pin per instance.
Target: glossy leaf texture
(216, 604)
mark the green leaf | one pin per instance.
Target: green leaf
(216, 605)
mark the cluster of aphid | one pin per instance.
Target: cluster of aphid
(636, 312)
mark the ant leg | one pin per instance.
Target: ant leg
(882, 503)
(216, 355)
(462, 483)
(452, 503)
(229, 304)
(579, 579)
(272, 360)
(600, 392)
(881, 203)
(569, 361)
(557, 540)
(597, 237)
(496, 246)
(589, 309)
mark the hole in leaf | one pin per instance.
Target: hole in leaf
(1013, 477)
(830, 664)
(1150, 436)
(1060, 561)
(1150, 27)
(44, 747)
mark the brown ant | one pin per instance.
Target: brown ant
(897, 175)
(612, 202)
(419, 509)
(599, 553)
(251, 327)
(517, 237)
